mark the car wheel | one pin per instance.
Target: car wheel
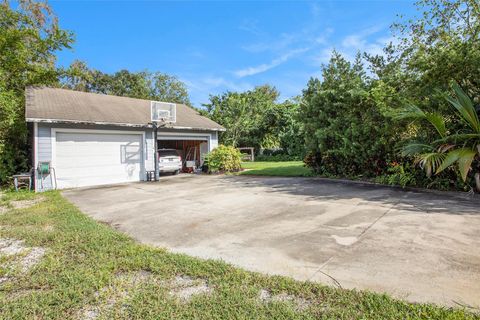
(176, 172)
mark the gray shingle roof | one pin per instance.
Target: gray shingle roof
(45, 104)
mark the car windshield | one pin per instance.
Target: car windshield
(167, 153)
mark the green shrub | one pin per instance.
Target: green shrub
(398, 174)
(224, 159)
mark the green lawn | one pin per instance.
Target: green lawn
(285, 169)
(90, 266)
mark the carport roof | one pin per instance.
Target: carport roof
(44, 104)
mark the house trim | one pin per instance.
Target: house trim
(35, 154)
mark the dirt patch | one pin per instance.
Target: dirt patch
(32, 258)
(300, 303)
(184, 287)
(10, 247)
(21, 204)
(27, 256)
(46, 228)
(107, 297)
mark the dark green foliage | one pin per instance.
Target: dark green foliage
(459, 148)
(289, 127)
(345, 132)
(349, 127)
(23, 65)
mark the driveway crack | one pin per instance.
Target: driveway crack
(319, 270)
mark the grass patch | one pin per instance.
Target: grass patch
(282, 168)
(84, 257)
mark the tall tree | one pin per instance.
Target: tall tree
(343, 128)
(143, 85)
(29, 38)
(244, 115)
(431, 50)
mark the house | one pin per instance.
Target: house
(89, 139)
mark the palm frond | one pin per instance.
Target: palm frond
(464, 105)
(463, 156)
(409, 112)
(443, 148)
(438, 121)
(430, 161)
(415, 113)
(458, 137)
(416, 148)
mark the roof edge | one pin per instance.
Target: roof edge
(41, 120)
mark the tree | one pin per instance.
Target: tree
(460, 147)
(245, 115)
(429, 51)
(288, 127)
(142, 85)
(345, 132)
(29, 39)
(169, 88)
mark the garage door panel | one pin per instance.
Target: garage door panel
(87, 159)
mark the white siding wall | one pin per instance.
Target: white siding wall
(44, 144)
(44, 153)
(214, 141)
(149, 152)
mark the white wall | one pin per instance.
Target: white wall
(43, 143)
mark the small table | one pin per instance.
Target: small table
(19, 180)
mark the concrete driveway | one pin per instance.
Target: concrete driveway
(413, 245)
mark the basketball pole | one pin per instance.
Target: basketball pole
(155, 147)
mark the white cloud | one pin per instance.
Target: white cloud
(251, 26)
(323, 57)
(250, 71)
(283, 41)
(348, 47)
(360, 42)
(201, 86)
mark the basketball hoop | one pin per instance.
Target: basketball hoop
(161, 113)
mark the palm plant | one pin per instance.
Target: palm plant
(461, 147)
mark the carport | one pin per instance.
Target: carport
(192, 146)
(190, 150)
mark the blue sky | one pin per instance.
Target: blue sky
(225, 45)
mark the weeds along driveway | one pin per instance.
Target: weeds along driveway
(416, 246)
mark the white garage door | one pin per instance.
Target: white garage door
(89, 159)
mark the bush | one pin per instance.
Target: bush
(398, 174)
(224, 159)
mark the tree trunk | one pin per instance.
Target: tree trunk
(477, 180)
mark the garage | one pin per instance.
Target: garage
(96, 158)
(82, 139)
